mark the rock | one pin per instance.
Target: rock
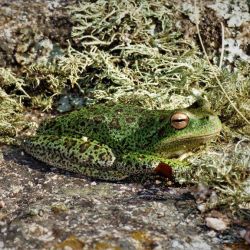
(216, 223)
(2, 204)
(245, 234)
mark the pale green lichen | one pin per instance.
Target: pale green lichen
(132, 51)
(111, 23)
(226, 171)
(9, 78)
(10, 117)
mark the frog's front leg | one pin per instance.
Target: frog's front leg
(139, 163)
(84, 156)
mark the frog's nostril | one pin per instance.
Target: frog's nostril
(206, 118)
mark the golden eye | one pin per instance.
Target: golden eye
(179, 120)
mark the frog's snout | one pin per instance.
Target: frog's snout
(216, 123)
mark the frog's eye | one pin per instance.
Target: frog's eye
(179, 120)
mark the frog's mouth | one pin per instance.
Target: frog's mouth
(198, 138)
(177, 146)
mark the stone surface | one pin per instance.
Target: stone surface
(32, 30)
(48, 208)
(216, 224)
(233, 15)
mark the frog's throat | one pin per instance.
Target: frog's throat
(171, 147)
(195, 137)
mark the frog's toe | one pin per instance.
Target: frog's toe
(164, 170)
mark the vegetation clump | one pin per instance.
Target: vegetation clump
(227, 172)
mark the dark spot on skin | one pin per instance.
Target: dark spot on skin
(115, 123)
(96, 147)
(130, 119)
(102, 156)
(162, 118)
(91, 157)
(98, 119)
(95, 130)
(82, 124)
(162, 132)
(84, 147)
(69, 143)
(48, 124)
(63, 162)
(129, 163)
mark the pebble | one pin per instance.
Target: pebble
(2, 204)
(245, 234)
(202, 207)
(177, 245)
(216, 223)
(1, 245)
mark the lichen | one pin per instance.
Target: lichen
(11, 118)
(131, 51)
(227, 172)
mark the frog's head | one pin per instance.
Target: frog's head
(187, 129)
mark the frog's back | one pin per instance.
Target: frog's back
(119, 126)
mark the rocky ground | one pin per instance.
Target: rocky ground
(45, 208)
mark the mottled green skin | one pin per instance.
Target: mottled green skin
(112, 142)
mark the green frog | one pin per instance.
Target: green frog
(115, 141)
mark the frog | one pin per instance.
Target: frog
(113, 142)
